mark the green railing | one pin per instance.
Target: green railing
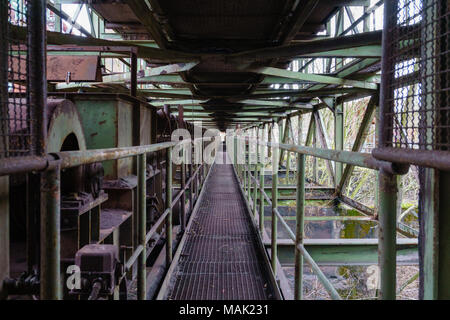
(387, 189)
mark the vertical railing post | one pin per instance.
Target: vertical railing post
(169, 206)
(249, 171)
(236, 150)
(191, 185)
(50, 287)
(261, 183)
(255, 185)
(273, 248)
(235, 153)
(142, 220)
(241, 159)
(298, 290)
(387, 234)
(183, 185)
(244, 167)
(197, 165)
(202, 163)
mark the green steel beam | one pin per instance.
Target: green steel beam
(265, 102)
(313, 77)
(349, 69)
(339, 252)
(359, 139)
(325, 141)
(309, 47)
(370, 51)
(57, 38)
(172, 68)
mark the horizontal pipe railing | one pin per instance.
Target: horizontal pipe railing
(68, 159)
(359, 159)
(438, 159)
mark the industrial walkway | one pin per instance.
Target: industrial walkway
(220, 258)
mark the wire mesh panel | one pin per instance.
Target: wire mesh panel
(15, 119)
(415, 106)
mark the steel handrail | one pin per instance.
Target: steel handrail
(359, 159)
(322, 278)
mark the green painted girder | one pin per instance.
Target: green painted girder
(182, 102)
(281, 80)
(313, 77)
(233, 114)
(309, 47)
(229, 117)
(175, 79)
(347, 251)
(370, 51)
(309, 93)
(200, 107)
(241, 109)
(166, 95)
(230, 121)
(265, 102)
(57, 38)
(235, 111)
(167, 90)
(163, 79)
(171, 68)
(348, 70)
(359, 139)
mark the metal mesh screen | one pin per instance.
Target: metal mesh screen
(416, 111)
(15, 119)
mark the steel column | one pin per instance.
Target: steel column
(387, 234)
(50, 288)
(298, 290)
(191, 185)
(275, 156)
(338, 138)
(37, 73)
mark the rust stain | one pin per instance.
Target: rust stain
(102, 122)
(94, 134)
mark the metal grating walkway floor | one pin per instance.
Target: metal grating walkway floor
(220, 259)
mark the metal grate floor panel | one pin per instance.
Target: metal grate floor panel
(220, 259)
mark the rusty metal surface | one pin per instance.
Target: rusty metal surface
(80, 68)
(73, 68)
(220, 259)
